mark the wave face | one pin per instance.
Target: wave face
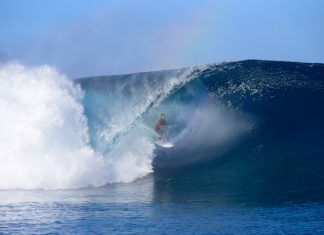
(241, 125)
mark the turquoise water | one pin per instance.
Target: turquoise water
(139, 208)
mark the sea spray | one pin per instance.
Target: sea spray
(44, 135)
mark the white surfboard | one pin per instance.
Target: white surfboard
(164, 144)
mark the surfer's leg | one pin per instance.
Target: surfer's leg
(163, 136)
(160, 133)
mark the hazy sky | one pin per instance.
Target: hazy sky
(84, 38)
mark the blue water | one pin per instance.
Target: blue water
(138, 208)
(248, 156)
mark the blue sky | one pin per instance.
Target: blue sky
(85, 38)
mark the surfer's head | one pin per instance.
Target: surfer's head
(162, 116)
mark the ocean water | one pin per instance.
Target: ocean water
(78, 157)
(142, 208)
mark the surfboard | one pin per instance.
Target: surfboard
(164, 144)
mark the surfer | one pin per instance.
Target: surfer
(161, 123)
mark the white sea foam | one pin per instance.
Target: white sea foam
(44, 134)
(44, 138)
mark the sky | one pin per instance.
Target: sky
(88, 38)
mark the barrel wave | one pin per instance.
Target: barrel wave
(239, 127)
